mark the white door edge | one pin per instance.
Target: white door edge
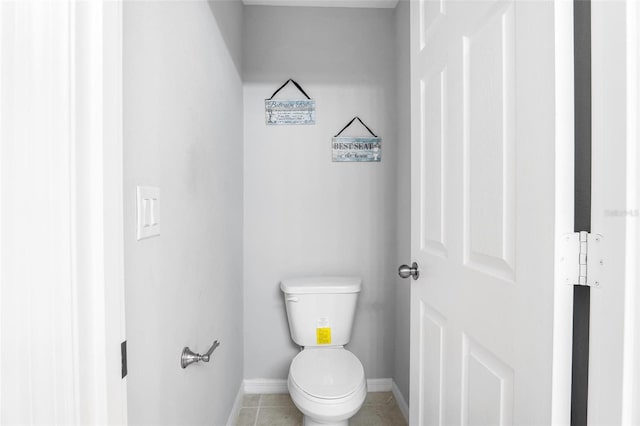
(563, 297)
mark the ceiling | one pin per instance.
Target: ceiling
(325, 3)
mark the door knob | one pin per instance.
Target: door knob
(405, 271)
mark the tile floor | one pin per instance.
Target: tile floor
(379, 409)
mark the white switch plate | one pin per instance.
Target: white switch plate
(148, 211)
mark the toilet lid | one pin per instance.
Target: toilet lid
(327, 373)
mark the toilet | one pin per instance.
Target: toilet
(326, 382)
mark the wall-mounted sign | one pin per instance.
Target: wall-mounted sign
(345, 148)
(356, 149)
(290, 112)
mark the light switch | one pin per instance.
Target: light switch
(148, 211)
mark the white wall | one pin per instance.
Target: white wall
(303, 214)
(403, 201)
(183, 133)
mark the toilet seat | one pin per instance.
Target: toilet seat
(327, 385)
(327, 373)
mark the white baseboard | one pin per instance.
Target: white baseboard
(379, 385)
(402, 404)
(255, 386)
(237, 404)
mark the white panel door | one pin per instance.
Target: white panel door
(491, 161)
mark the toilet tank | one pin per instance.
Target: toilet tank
(320, 310)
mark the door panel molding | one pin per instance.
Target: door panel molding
(431, 15)
(432, 358)
(488, 146)
(433, 187)
(492, 368)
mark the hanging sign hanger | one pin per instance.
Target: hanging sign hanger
(351, 122)
(349, 149)
(289, 111)
(295, 84)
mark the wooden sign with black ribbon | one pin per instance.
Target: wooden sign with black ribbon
(356, 149)
(290, 111)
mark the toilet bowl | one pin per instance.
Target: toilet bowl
(326, 381)
(327, 385)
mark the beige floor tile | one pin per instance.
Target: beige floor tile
(279, 416)
(379, 398)
(378, 415)
(252, 400)
(394, 416)
(276, 400)
(379, 409)
(367, 416)
(247, 417)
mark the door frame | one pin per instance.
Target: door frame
(97, 115)
(631, 382)
(61, 67)
(622, 136)
(614, 373)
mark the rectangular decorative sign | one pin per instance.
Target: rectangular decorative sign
(356, 149)
(287, 112)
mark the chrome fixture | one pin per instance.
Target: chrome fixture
(405, 271)
(189, 357)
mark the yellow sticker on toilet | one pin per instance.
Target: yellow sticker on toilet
(323, 335)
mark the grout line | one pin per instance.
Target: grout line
(255, 423)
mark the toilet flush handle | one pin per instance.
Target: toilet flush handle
(292, 299)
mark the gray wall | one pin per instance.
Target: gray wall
(303, 214)
(403, 200)
(183, 133)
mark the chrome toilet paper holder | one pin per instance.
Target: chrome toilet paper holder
(188, 357)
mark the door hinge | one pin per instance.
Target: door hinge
(123, 357)
(581, 259)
